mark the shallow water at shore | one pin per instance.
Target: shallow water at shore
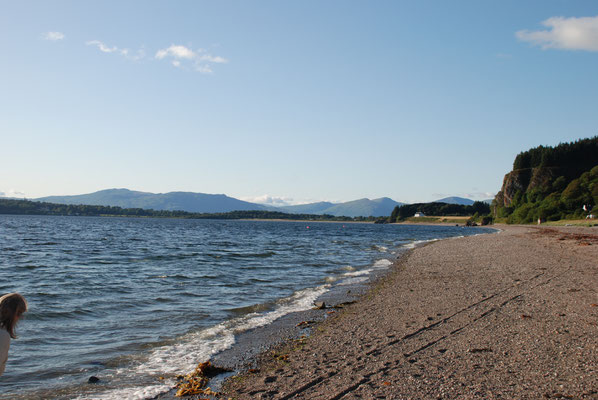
(133, 300)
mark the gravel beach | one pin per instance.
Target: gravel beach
(511, 315)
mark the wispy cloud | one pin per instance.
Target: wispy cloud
(479, 195)
(270, 200)
(279, 201)
(469, 195)
(103, 48)
(12, 193)
(565, 33)
(139, 54)
(182, 56)
(53, 36)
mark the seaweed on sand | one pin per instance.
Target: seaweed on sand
(195, 383)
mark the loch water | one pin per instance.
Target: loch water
(134, 300)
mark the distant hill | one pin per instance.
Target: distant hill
(455, 200)
(181, 201)
(356, 208)
(220, 203)
(551, 183)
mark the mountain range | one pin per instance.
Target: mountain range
(219, 203)
(455, 200)
(356, 208)
(184, 201)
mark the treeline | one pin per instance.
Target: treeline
(572, 158)
(27, 207)
(400, 213)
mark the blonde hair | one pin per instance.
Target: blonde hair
(12, 306)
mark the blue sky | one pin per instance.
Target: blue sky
(290, 101)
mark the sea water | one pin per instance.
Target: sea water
(137, 301)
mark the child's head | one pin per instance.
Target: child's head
(12, 306)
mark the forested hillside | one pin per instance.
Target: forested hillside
(402, 212)
(550, 183)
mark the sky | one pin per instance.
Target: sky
(288, 102)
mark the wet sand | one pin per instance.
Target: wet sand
(506, 315)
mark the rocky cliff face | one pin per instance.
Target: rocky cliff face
(525, 180)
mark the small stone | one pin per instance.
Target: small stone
(93, 379)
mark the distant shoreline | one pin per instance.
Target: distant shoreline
(306, 220)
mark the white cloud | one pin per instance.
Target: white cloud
(176, 52)
(203, 68)
(479, 195)
(470, 195)
(270, 200)
(198, 60)
(103, 48)
(12, 193)
(212, 59)
(139, 54)
(53, 36)
(279, 201)
(565, 33)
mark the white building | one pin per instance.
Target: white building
(419, 214)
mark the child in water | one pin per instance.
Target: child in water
(12, 306)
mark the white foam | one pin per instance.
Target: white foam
(186, 353)
(381, 249)
(358, 273)
(183, 356)
(417, 242)
(131, 392)
(300, 301)
(382, 263)
(353, 281)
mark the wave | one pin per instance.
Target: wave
(413, 244)
(358, 273)
(182, 355)
(354, 281)
(383, 263)
(381, 249)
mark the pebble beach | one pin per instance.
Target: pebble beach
(497, 316)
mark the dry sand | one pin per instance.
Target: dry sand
(512, 315)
